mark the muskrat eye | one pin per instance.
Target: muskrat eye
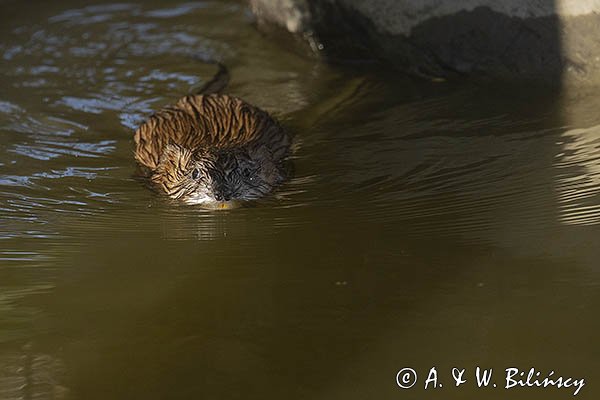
(246, 173)
(195, 173)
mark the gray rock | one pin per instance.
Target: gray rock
(553, 40)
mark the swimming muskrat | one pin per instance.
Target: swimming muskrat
(212, 149)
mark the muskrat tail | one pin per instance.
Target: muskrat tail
(218, 82)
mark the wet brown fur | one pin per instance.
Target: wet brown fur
(210, 122)
(206, 121)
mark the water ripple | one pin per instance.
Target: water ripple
(47, 150)
(25, 375)
(578, 176)
(176, 11)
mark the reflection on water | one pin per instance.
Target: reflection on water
(578, 176)
(425, 224)
(26, 375)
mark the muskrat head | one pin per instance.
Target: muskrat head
(215, 179)
(182, 174)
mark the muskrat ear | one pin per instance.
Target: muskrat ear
(172, 166)
(173, 162)
(175, 155)
(170, 151)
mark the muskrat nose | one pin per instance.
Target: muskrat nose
(222, 196)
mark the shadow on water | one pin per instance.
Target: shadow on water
(427, 224)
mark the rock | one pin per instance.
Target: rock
(541, 39)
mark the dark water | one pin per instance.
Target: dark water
(447, 225)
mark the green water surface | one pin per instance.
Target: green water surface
(442, 224)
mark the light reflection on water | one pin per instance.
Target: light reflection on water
(414, 210)
(578, 176)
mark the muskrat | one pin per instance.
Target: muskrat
(212, 149)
